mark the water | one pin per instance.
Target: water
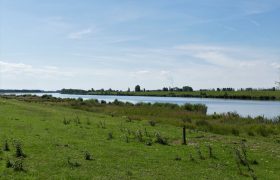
(254, 108)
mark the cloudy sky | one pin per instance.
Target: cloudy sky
(86, 44)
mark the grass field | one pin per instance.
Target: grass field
(55, 140)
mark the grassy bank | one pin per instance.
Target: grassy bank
(245, 95)
(50, 138)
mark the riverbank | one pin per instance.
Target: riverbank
(46, 137)
(241, 95)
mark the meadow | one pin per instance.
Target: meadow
(52, 138)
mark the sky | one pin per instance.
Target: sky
(117, 44)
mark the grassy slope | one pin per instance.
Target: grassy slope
(48, 143)
(212, 94)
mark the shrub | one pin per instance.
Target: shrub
(152, 123)
(251, 133)
(18, 165)
(101, 124)
(9, 163)
(160, 140)
(88, 156)
(264, 131)
(19, 152)
(178, 158)
(149, 142)
(66, 122)
(139, 135)
(73, 164)
(6, 146)
(199, 153)
(110, 136)
(235, 131)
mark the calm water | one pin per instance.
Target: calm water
(269, 109)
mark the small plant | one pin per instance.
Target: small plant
(152, 123)
(235, 132)
(251, 133)
(9, 163)
(160, 140)
(210, 150)
(199, 153)
(88, 122)
(102, 124)
(6, 146)
(146, 133)
(129, 173)
(149, 142)
(128, 119)
(126, 138)
(19, 151)
(178, 158)
(66, 122)
(110, 136)
(139, 135)
(191, 158)
(88, 156)
(73, 164)
(77, 120)
(18, 165)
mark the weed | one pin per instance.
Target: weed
(73, 164)
(199, 153)
(77, 120)
(19, 151)
(235, 131)
(146, 133)
(18, 165)
(152, 122)
(9, 163)
(101, 124)
(88, 156)
(128, 119)
(210, 150)
(160, 140)
(6, 146)
(139, 135)
(88, 121)
(191, 158)
(149, 142)
(178, 158)
(110, 136)
(66, 122)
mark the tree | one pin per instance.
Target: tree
(137, 88)
(165, 89)
(187, 88)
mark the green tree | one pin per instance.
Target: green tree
(137, 88)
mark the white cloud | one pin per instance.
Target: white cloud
(81, 34)
(8, 69)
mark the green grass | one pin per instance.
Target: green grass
(55, 137)
(246, 95)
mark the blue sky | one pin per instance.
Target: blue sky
(58, 44)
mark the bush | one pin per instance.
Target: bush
(152, 123)
(160, 140)
(88, 156)
(264, 131)
(235, 132)
(18, 165)
(110, 136)
(19, 152)
(6, 146)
